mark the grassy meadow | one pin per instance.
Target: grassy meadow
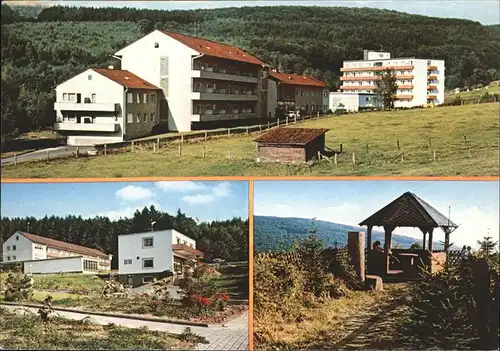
(464, 140)
(492, 88)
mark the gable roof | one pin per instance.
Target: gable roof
(125, 78)
(291, 136)
(409, 210)
(63, 245)
(212, 48)
(297, 79)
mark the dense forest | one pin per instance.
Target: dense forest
(40, 52)
(277, 233)
(217, 239)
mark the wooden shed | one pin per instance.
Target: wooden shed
(291, 145)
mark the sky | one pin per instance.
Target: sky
(484, 11)
(474, 205)
(205, 201)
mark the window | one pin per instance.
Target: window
(152, 116)
(17, 237)
(147, 242)
(8, 247)
(130, 98)
(157, 45)
(89, 77)
(138, 98)
(147, 263)
(138, 120)
(145, 97)
(145, 117)
(153, 98)
(72, 97)
(129, 261)
(178, 240)
(184, 242)
(130, 118)
(13, 247)
(13, 258)
(93, 98)
(65, 96)
(147, 280)
(8, 258)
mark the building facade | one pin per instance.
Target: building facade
(420, 81)
(351, 101)
(144, 257)
(293, 92)
(30, 249)
(101, 106)
(205, 84)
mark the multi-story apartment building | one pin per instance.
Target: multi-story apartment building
(205, 84)
(144, 257)
(420, 81)
(105, 105)
(292, 92)
(40, 254)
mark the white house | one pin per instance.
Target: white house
(154, 254)
(351, 101)
(101, 106)
(205, 84)
(40, 254)
(420, 81)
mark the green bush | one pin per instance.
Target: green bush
(18, 287)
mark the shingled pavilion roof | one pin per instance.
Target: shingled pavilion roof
(291, 136)
(409, 210)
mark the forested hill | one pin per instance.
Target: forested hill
(225, 239)
(62, 41)
(277, 233)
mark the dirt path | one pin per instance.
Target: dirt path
(375, 328)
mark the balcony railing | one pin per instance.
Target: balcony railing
(74, 106)
(432, 77)
(86, 127)
(404, 97)
(370, 78)
(376, 68)
(358, 87)
(431, 97)
(187, 251)
(224, 97)
(432, 68)
(225, 75)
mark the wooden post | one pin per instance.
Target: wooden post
(180, 149)
(340, 147)
(132, 146)
(402, 156)
(182, 138)
(430, 143)
(317, 115)
(48, 157)
(423, 240)
(356, 249)
(260, 127)
(462, 102)
(294, 119)
(434, 155)
(286, 119)
(446, 239)
(369, 237)
(366, 147)
(206, 135)
(77, 151)
(154, 148)
(335, 158)
(105, 149)
(268, 125)
(387, 245)
(397, 140)
(278, 122)
(430, 239)
(15, 159)
(228, 132)
(247, 130)
(203, 152)
(353, 159)
(319, 155)
(158, 143)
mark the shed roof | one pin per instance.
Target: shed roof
(297, 79)
(63, 245)
(291, 136)
(409, 210)
(126, 78)
(212, 48)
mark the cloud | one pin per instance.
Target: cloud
(134, 193)
(216, 192)
(180, 186)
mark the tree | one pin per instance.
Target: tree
(386, 89)
(487, 246)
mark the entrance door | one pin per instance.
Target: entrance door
(163, 111)
(79, 98)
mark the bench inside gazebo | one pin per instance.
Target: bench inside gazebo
(408, 210)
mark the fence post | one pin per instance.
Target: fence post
(132, 146)
(286, 120)
(402, 156)
(48, 157)
(294, 119)
(278, 122)
(335, 158)
(154, 148)
(15, 159)
(77, 151)
(430, 143)
(434, 155)
(268, 125)
(461, 102)
(228, 132)
(356, 249)
(340, 147)
(105, 149)
(247, 130)
(260, 127)
(180, 149)
(397, 140)
(182, 138)
(319, 155)
(203, 152)
(317, 115)
(367, 148)
(158, 143)
(353, 159)
(206, 135)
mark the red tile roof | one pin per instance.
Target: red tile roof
(63, 245)
(211, 48)
(291, 136)
(125, 78)
(297, 79)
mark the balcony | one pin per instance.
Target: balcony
(431, 97)
(358, 87)
(377, 68)
(370, 78)
(405, 86)
(432, 68)
(96, 107)
(87, 127)
(186, 251)
(222, 75)
(404, 97)
(432, 77)
(431, 87)
(217, 95)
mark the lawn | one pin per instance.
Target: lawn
(29, 142)
(492, 88)
(79, 283)
(234, 280)
(464, 139)
(28, 332)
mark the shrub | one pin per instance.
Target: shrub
(18, 287)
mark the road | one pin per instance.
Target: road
(54, 152)
(231, 336)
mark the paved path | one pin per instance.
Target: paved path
(54, 152)
(232, 336)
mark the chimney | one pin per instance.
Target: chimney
(111, 67)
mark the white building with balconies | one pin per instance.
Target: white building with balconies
(205, 84)
(101, 106)
(420, 81)
(144, 257)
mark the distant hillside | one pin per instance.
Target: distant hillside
(272, 232)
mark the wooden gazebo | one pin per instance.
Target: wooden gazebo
(408, 210)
